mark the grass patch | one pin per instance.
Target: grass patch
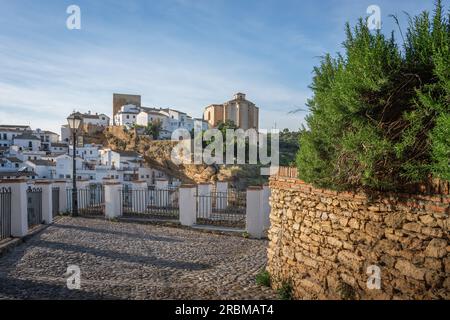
(285, 291)
(263, 278)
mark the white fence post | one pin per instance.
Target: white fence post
(62, 185)
(205, 200)
(265, 208)
(47, 204)
(254, 216)
(188, 205)
(19, 206)
(221, 195)
(113, 201)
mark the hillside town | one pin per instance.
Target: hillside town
(40, 154)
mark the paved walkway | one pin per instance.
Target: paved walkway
(121, 260)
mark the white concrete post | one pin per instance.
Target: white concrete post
(204, 200)
(112, 200)
(19, 206)
(47, 204)
(161, 192)
(221, 195)
(188, 205)
(265, 208)
(254, 219)
(62, 185)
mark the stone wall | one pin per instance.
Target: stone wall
(323, 242)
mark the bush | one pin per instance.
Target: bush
(263, 278)
(380, 113)
(285, 291)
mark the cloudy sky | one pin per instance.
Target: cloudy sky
(184, 54)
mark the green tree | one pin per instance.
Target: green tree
(380, 113)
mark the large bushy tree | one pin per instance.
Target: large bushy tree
(380, 115)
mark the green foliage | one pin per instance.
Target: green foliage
(289, 146)
(153, 129)
(263, 278)
(285, 291)
(380, 113)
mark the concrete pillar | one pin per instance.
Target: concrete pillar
(204, 200)
(188, 205)
(221, 195)
(161, 193)
(19, 206)
(254, 216)
(47, 204)
(113, 201)
(62, 185)
(265, 205)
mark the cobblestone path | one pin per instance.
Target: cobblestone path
(120, 260)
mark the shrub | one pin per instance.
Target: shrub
(380, 112)
(285, 291)
(263, 278)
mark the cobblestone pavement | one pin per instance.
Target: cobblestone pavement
(121, 260)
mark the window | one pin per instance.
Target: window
(128, 117)
(30, 144)
(17, 165)
(5, 137)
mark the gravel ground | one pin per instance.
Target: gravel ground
(121, 260)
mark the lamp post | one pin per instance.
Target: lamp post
(74, 121)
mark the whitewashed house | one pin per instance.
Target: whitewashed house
(127, 115)
(45, 169)
(59, 148)
(47, 138)
(101, 120)
(64, 166)
(27, 141)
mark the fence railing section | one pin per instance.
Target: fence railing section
(226, 209)
(5, 213)
(55, 201)
(34, 207)
(91, 200)
(156, 203)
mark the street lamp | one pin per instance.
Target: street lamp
(74, 121)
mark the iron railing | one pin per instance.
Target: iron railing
(154, 203)
(34, 199)
(226, 209)
(5, 213)
(91, 200)
(55, 201)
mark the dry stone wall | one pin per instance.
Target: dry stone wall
(323, 243)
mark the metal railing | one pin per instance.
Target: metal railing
(226, 209)
(91, 200)
(5, 213)
(154, 203)
(55, 201)
(34, 207)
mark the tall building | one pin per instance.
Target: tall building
(120, 100)
(244, 113)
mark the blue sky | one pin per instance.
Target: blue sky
(184, 54)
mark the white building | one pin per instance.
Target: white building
(101, 120)
(27, 141)
(127, 115)
(44, 169)
(47, 138)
